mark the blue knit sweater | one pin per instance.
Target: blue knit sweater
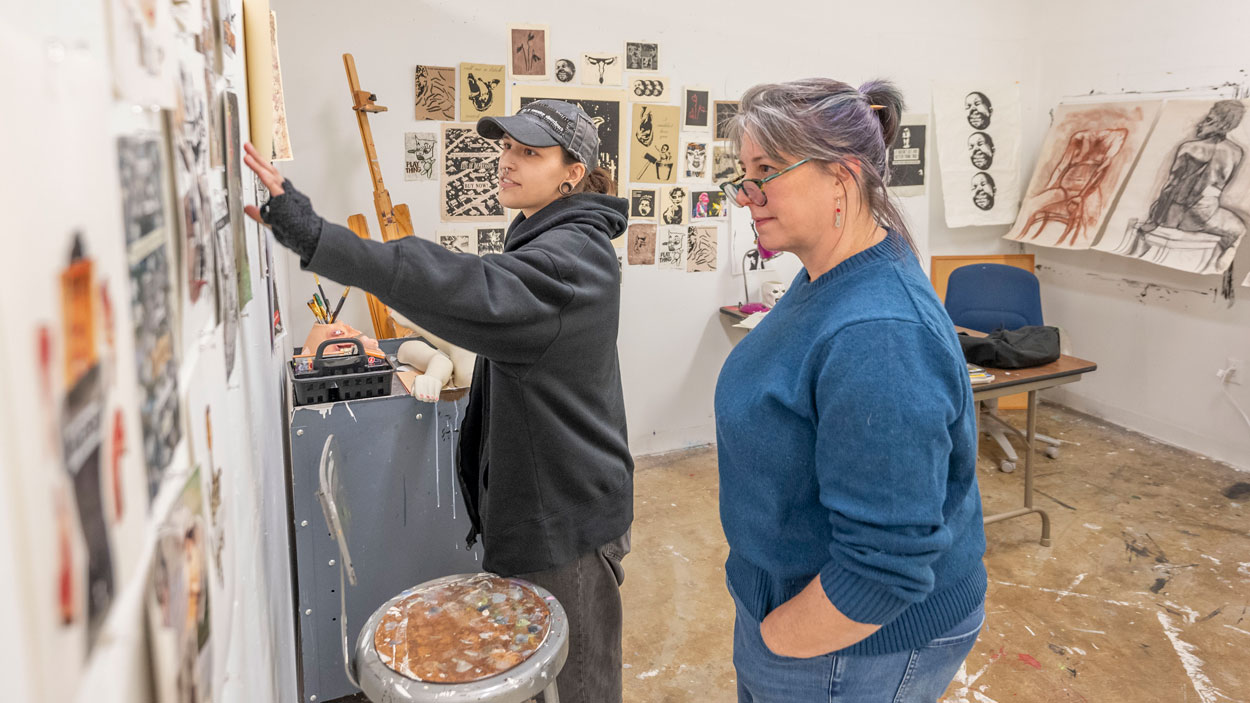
(847, 447)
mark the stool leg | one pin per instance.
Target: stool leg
(550, 694)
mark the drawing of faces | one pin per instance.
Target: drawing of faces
(565, 70)
(983, 191)
(644, 204)
(981, 150)
(978, 107)
(696, 157)
(1223, 117)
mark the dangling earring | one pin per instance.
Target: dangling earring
(837, 215)
(566, 188)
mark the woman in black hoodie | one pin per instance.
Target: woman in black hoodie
(543, 459)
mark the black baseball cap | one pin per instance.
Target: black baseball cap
(548, 123)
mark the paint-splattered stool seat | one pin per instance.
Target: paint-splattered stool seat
(468, 637)
(471, 637)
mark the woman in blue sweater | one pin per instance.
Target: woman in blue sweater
(845, 424)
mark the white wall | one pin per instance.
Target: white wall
(673, 340)
(1158, 335)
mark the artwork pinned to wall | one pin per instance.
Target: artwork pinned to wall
(276, 324)
(188, 128)
(481, 91)
(565, 70)
(81, 421)
(529, 46)
(695, 160)
(142, 36)
(725, 164)
(641, 245)
(435, 88)
(602, 69)
(670, 251)
(642, 204)
(177, 602)
(228, 26)
(458, 242)
(907, 156)
(653, 152)
(707, 204)
(696, 109)
(234, 194)
(419, 156)
(1187, 203)
(649, 89)
(490, 240)
(701, 245)
(978, 138)
(604, 107)
(140, 164)
(281, 137)
(227, 289)
(469, 177)
(642, 56)
(156, 358)
(724, 110)
(674, 205)
(1085, 159)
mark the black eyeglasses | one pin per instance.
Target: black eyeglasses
(753, 188)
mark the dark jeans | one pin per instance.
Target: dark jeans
(589, 589)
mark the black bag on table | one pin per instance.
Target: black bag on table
(1012, 349)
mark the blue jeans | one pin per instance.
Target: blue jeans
(916, 676)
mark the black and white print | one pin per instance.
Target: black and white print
(701, 244)
(139, 163)
(419, 156)
(671, 249)
(601, 69)
(675, 205)
(906, 157)
(642, 204)
(470, 176)
(725, 165)
(565, 70)
(978, 139)
(725, 111)
(648, 89)
(459, 243)
(490, 240)
(642, 56)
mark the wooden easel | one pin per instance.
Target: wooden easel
(394, 220)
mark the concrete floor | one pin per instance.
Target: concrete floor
(1144, 595)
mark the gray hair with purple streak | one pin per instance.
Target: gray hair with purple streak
(831, 123)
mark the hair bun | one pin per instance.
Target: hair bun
(886, 101)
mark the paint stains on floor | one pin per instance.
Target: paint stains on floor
(1083, 620)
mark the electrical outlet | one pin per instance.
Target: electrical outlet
(1232, 371)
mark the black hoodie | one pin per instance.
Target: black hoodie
(545, 426)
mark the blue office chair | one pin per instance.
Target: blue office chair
(988, 297)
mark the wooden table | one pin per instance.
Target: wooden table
(1066, 369)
